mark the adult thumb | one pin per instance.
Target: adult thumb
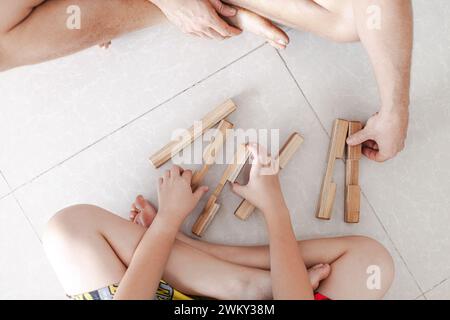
(198, 194)
(223, 9)
(358, 138)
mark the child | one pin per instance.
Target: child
(93, 251)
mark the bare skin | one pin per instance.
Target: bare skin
(41, 39)
(143, 213)
(90, 248)
(27, 36)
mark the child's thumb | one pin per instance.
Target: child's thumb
(198, 194)
(358, 138)
(240, 190)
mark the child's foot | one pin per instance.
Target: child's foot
(318, 273)
(250, 21)
(142, 212)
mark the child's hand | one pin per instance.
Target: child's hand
(263, 189)
(175, 196)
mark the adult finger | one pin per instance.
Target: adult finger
(223, 28)
(223, 9)
(359, 137)
(372, 144)
(374, 155)
(214, 34)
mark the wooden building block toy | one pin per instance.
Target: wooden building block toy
(207, 122)
(336, 151)
(211, 207)
(211, 152)
(352, 189)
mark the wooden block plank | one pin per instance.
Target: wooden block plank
(288, 150)
(205, 219)
(325, 214)
(240, 158)
(211, 151)
(351, 172)
(207, 122)
(244, 210)
(210, 211)
(354, 152)
(335, 150)
(339, 137)
(352, 203)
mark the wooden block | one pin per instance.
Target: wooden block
(335, 150)
(354, 153)
(325, 214)
(244, 210)
(205, 219)
(211, 206)
(211, 151)
(351, 172)
(240, 158)
(207, 122)
(288, 150)
(352, 203)
(339, 136)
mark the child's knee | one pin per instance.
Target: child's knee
(67, 223)
(376, 259)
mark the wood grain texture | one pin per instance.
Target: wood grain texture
(207, 122)
(352, 203)
(211, 152)
(336, 150)
(354, 152)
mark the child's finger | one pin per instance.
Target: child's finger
(259, 153)
(198, 194)
(187, 175)
(240, 190)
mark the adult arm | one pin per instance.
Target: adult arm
(385, 28)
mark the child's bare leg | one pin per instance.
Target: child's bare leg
(91, 248)
(41, 33)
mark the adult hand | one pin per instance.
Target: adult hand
(175, 196)
(200, 17)
(383, 136)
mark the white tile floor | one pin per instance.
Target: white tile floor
(80, 129)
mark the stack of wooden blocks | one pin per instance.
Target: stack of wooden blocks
(341, 130)
(218, 116)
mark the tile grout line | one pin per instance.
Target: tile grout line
(365, 197)
(301, 91)
(20, 206)
(393, 243)
(436, 285)
(133, 120)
